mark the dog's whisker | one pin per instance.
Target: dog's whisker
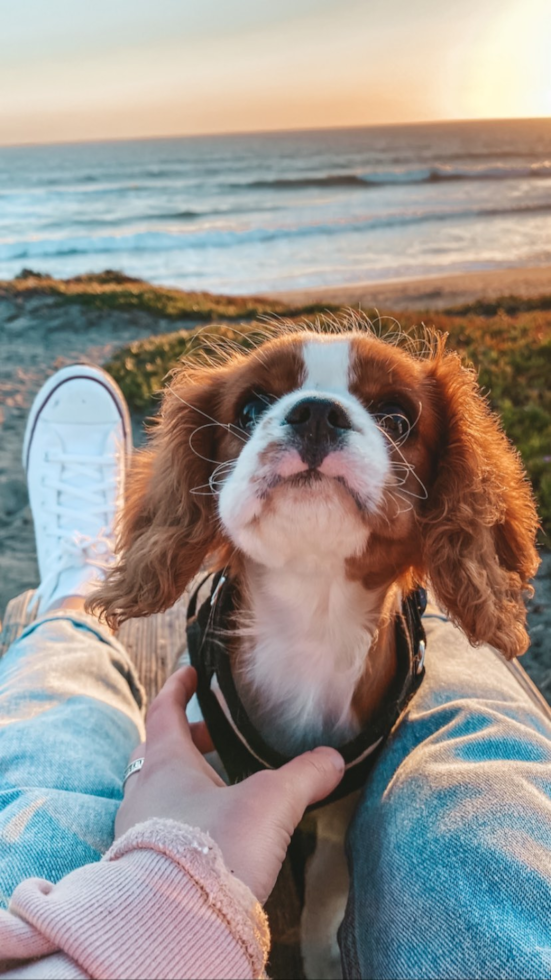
(395, 496)
(207, 459)
(226, 464)
(225, 347)
(213, 487)
(224, 425)
(401, 482)
(263, 398)
(418, 416)
(218, 476)
(199, 428)
(425, 494)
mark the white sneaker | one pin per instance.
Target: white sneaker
(77, 438)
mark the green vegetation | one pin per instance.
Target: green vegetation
(510, 350)
(111, 290)
(141, 368)
(508, 340)
(503, 304)
(512, 355)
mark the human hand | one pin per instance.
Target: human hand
(252, 822)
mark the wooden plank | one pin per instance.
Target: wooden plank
(154, 644)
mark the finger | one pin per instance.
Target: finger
(138, 753)
(167, 713)
(201, 737)
(169, 733)
(178, 689)
(307, 779)
(181, 686)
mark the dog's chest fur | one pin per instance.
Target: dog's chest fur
(302, 645)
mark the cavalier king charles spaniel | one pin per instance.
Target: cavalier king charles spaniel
(329, 474)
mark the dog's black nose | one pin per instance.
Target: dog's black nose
(318, 425)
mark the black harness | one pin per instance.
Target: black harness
(239, 745)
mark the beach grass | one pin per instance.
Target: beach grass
(111, 290)
(508, 342)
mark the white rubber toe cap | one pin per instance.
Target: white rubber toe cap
(76, 442)
(92, 398)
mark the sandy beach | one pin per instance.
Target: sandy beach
(39, 333)
(433, 292)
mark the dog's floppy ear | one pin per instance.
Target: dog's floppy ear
(168, 525)
(480, 522)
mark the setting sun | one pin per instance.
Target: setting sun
(510, 70)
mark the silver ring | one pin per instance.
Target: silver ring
(131, 768)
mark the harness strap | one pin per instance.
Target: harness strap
(240, 746)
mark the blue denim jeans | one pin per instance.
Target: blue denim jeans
(71, 711)
(449, 851)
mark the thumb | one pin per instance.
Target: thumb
(309, 778)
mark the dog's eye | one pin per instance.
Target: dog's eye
(254, 407)
(393, 419)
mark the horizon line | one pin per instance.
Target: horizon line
(272, 132)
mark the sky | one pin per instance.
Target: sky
(72, 70)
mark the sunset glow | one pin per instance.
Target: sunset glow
(70, 72)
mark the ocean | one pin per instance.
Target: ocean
(271, 211)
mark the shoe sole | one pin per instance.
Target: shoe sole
(76, 372)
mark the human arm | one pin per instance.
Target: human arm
(157, 905)
(160, 903)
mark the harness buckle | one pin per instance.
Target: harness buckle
(421, 660)
(219, 585)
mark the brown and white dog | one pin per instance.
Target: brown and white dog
(329, 473)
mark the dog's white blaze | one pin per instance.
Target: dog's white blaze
(327, 365)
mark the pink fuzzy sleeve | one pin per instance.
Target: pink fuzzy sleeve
(161, 903)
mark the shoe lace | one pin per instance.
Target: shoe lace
(74, 548)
